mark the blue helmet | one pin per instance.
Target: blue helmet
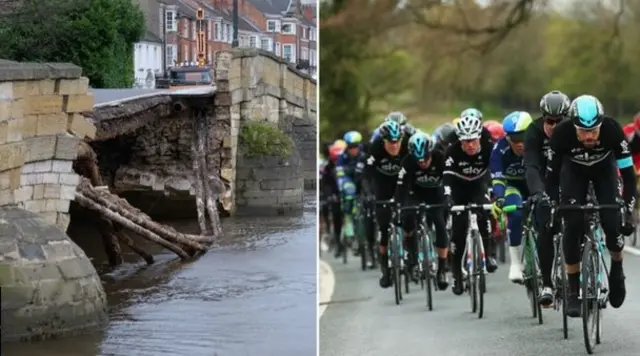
(516, 122)
(472, 112)
(352, 138)
(390, 131)
(586, 112)
(420, 145)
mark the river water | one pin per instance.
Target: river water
(254, 293)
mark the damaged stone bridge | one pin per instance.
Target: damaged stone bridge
(143, 138)
(63, 142)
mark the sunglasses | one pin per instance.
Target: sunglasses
(551, 121)
(517, 138)
(392, 141)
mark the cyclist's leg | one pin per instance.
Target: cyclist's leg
(514, 231)
(409, 218)
(546, 255)
(336, 215)
(383, 216)
(348, 196)
(441, 243)
(605, 187)
(459, 225)
(574, 188)
(370, 232)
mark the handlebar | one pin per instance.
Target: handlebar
(423, 206)
(585, 208)
(486, 207)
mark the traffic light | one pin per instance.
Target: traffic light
(200, 14)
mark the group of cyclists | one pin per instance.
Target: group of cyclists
(547, 161)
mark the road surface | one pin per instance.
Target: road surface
(362, 319)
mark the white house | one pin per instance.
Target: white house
(147, 61)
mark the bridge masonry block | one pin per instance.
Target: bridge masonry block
(40, 128)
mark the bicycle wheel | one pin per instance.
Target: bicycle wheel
(395, 258)
(531, 263)
(563, 290)
(472, 285)
(362, 245)
(590, 304)
(426, 269)
(479, 277)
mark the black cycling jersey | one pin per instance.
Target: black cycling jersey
(381, 170)
(536, 147)
(612, 145)
(328, 180)
(460, 167)
(421, 182)
(634, 143)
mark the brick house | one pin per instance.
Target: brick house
(294, 34)
(180, 17)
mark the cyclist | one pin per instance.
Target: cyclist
(442, 134)
(588, 149)
(349, 168)
(495, 129)
(554, 107)
(465, 181)
(509, 186)
(420, 181)
(402, 120)
(381, 175)
(632, 131)
(329, 191)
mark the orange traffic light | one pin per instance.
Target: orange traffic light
(200, 14)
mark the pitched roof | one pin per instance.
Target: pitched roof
(272, 7)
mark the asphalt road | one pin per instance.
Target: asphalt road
(362, 319)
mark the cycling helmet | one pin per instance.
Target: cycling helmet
(516, 122)
(469, 127)
(408, 129)
(472, 112)
(496, 130)
(443, 132)
(420, 145)
(489, 123)
(353, 138)
(335, 151)
(586, 112)
(390, 131)
(340, 143)
(396, 116)
(555, 103)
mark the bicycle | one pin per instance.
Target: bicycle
(474, 265)
(560, 280)
(359, 217)
(594, 289)
(395, 251)
(529, 260)
(427, 258)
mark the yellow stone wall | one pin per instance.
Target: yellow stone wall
(40, 127)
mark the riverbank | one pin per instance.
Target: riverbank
(255, 290)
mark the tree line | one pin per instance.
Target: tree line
(97, 35)
(430, 58)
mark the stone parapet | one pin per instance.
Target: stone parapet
(40, 127)
(256, 85)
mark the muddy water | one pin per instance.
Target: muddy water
(253, 294)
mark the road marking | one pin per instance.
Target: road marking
(327, 284)
(632, 250)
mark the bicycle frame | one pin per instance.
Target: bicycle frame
(473, 236)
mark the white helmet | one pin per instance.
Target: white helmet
(469, 127)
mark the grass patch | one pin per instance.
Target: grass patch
(263, 139)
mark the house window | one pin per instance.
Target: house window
(289, 29)
(312, 57)
(244, 41)
(253, 41)
(278, 48)
(304, 54)
(289, 52)
(228, 27)
(218, 31)
(265, 43)
(312, 34)
(273, 25)
(172, 54)
(172, 23)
